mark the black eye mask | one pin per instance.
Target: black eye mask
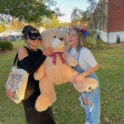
(34, 36)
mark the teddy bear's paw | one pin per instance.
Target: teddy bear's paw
(42, 103)
(87, 85)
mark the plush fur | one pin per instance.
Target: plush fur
(50, 74)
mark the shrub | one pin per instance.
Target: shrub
(100, 44)
(118, 40)
(98, 35)
(6, 45)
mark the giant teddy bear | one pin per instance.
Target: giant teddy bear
(57, 69)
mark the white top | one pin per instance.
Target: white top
(86, 59)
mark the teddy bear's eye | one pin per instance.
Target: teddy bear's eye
(61, 38)
(54, 36)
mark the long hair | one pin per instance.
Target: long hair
(82, 42)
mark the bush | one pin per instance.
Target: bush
(98, 35)
(118, 40)
(6, 45)
(100, 44)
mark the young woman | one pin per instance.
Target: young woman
(30, 59)
(87, 67)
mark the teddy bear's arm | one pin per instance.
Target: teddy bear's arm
(39, 73)
(70, 59)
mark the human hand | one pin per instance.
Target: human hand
(77, 78)
(48, 51)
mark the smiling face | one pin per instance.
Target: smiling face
(73, 38)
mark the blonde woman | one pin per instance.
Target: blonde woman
(87, 67)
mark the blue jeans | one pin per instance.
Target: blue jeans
(92, 113)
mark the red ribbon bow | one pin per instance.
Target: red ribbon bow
(54, 57)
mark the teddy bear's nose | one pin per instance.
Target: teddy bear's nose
(54, 36)
(61, 38)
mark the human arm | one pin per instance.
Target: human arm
(90, 71)
(26, 62)
(88, 61)
(81, 76)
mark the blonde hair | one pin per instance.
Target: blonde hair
(82, 42)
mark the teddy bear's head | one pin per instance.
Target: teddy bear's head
(55, 38)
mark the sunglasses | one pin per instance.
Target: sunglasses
(34, 38)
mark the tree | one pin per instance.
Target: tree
(97, 11)
(27, 10)
(94, 17)
(17, 25)
(97, 14)
(65, 24)
(51, 23)
(76, 16)
(2, 28)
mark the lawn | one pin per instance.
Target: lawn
(67, 109)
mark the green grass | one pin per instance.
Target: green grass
(67, 108)
(18, 44)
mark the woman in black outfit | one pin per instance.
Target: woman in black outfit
(30, 59)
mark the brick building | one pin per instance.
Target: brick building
(114, 11)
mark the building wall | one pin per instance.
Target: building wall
(116, 16)
(103, 35)
(112, 36)
(115, 24)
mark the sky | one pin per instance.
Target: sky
(67, 6)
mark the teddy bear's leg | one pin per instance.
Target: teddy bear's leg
(85, 85)
(47, 96)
